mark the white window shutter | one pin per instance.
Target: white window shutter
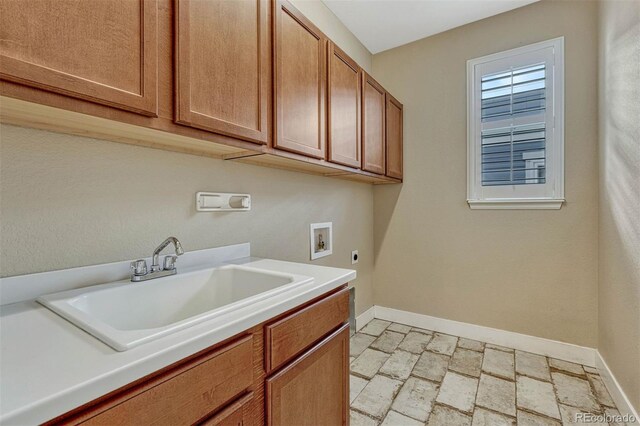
(515, 140)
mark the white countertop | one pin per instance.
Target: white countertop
(48, 366)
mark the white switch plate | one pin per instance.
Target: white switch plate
(354, 257)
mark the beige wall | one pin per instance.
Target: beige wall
(533, 272)
(619, 219)
(69, 201)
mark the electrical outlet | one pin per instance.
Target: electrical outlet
(354, 257)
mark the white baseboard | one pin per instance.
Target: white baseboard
(537, 345)
(619, 397)
(365, 317)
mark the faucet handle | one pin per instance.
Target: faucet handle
(139, 267)
(170, 262)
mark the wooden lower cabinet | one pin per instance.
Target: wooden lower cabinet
(227, 384)
(314, 389)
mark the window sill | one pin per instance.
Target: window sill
(517, 204)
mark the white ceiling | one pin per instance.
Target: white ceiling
(384, 24)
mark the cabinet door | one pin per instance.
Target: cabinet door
(344, 102)
(223, 63)
(100, 51)
(394, 137)
(299, 56)
(314, 389)
(373, 125)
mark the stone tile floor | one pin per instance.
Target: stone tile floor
(402, 375)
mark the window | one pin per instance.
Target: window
(515, 128)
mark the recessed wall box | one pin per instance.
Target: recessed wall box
(222, 202)
(321, 239)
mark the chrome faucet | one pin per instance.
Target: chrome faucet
(139, 267)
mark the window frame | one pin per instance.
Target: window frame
(546, 196)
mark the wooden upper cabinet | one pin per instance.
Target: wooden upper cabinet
(314, 389)
(394, 137)
(223, 62)
(373, 125)
(100, 51)
(344, 103)
(300, 76)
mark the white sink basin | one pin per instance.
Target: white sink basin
(125, 314)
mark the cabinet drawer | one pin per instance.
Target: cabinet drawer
(295, 333)
(236, 414)
(187, 394)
